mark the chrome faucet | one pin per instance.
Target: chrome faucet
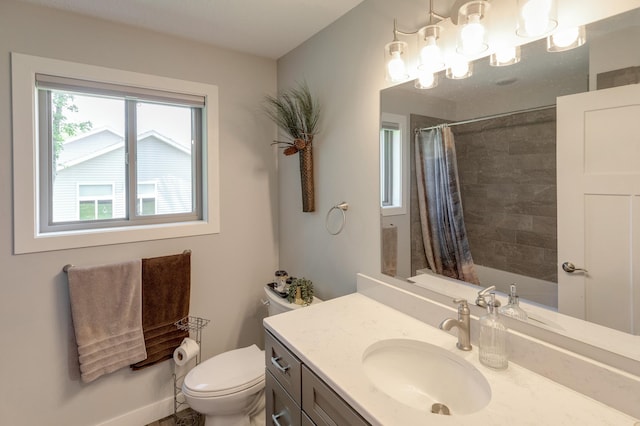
(481, 299)
(462, 323)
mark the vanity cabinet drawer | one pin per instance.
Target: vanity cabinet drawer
(281, 410)
(284, 366)
(323, 405)
(306, 421)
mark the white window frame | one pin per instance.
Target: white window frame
(401, 178)
(155, 196)
(27, 235)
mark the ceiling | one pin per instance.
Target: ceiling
(268, 28)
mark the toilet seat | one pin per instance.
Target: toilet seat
(227, 373)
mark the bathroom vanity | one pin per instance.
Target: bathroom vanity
(356, 357)
(296, 396)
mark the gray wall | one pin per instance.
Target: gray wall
(40, 380)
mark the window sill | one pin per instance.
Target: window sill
(99, 237)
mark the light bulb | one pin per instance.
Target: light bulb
(566, 37)
(537, 17)
(396, 67)
(430, 55)
(472, 36)
(459, 68)
(426, 80)
(508, 55)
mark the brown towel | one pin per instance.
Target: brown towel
(106, 308)
(166, 285)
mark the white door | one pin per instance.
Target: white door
(598, 160)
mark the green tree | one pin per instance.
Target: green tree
(61, 128)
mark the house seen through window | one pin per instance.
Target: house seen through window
(116, 156)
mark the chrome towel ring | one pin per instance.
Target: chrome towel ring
(343, 207)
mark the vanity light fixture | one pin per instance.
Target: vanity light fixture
(566, 39)
(450, 43)
(536, 17)
(505, 56)
(472, 37)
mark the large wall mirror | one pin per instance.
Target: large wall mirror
(504, 121)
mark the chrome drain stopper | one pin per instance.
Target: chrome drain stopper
(438, 408)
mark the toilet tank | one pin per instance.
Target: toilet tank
(278, 305)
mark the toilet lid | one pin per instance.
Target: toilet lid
(227, 373)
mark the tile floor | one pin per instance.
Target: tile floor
(186, 417)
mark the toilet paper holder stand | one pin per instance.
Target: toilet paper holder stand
(194, 326)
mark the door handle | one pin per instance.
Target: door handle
(571, 268)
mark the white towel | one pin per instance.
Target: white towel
(106, 306)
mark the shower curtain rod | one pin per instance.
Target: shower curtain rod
(488, 117)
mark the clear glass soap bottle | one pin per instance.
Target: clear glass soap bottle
(513, 309)
(493, 338)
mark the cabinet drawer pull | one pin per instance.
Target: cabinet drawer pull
(274, 361)
(275, 418)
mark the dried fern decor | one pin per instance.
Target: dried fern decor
(297, 112)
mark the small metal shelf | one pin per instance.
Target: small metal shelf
(194, 326)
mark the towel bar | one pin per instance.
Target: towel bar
(68, 266)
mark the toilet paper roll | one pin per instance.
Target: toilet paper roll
(187, 350)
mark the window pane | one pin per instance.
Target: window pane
(87, 210)
(165, 157)
(148, 206)
(387, 167)
(87, 145)
(95, 190)
(105, 209)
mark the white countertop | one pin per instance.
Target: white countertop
(332, 336)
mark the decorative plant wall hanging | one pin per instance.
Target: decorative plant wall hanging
(296, 112)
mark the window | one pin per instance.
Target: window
(122, 155)
(124, 134)
(393, 164)
(95, 202)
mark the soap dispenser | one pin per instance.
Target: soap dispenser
(493, 338)
(513, 309)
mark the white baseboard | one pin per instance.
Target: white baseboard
(143, 415)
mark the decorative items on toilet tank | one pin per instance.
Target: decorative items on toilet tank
(300, 291)
(297, 112)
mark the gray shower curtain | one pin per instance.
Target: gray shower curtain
(443, 231)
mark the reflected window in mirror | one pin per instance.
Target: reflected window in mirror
(394, 149)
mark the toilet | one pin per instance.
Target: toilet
(229, 388)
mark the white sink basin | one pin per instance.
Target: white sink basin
(420, 375)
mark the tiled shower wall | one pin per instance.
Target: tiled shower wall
(507, 169)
